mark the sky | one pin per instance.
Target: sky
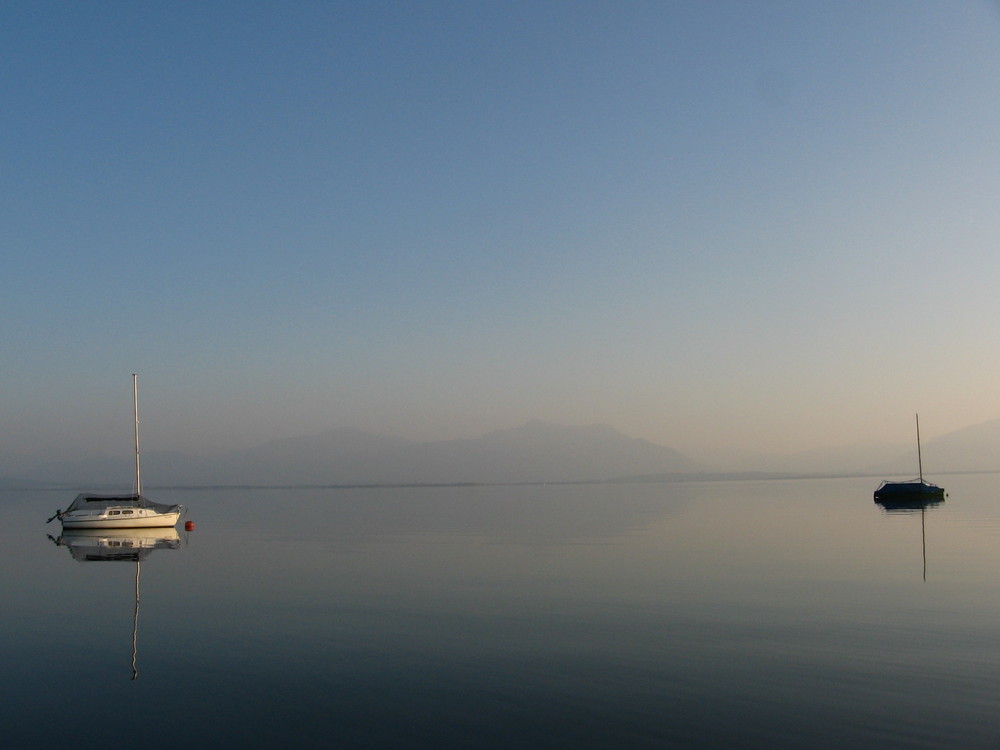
(735, 225)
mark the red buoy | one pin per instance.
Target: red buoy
(189, 526)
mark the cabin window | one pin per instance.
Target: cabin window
(127, 512)
(113, 512)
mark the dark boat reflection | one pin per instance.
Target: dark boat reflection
(119, 545)
(912, 506)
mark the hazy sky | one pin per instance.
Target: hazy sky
(760, 225)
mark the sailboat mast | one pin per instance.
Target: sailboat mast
(135, 402)
(920, 461)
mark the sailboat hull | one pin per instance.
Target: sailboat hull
(84, 520)
(118, 512)
(916, 491)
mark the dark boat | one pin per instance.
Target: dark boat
(912, 493)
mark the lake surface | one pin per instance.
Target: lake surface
(757, 614)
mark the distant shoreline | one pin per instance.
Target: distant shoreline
(14, 485)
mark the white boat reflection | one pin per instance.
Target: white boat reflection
(119, 545)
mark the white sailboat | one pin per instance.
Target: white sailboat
(132, 511)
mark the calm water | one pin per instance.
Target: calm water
(784, 614)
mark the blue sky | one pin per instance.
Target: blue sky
(754, 225)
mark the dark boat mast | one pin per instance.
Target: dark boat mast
(920, 462)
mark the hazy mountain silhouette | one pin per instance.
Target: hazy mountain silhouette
(858, 458)
(90, 473)
(973, 448)
(543, 452)
(535, 452)
(342, 456)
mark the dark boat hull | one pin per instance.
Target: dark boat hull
(905, 494)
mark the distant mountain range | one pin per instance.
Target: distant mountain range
(975, 448)
(535, 452)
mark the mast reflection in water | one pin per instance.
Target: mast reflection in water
(119, 545)
(911, 506)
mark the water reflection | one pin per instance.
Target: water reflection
(119, 545)
(116, 545)
(639, 616)
(909, 507)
